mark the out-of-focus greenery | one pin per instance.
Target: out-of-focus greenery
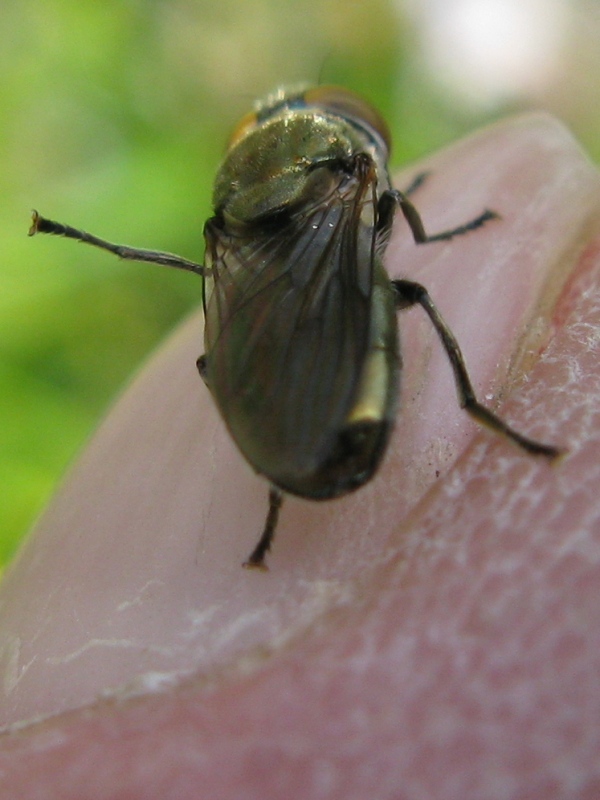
(113, 117)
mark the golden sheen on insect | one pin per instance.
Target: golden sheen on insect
(301, 342)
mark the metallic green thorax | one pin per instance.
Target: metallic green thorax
(270, 169)
(301, 336)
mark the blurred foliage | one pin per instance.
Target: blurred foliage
(113, 117)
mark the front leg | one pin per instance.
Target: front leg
(393, 198)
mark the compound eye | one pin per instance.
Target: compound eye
(247, 123)
(349, 105)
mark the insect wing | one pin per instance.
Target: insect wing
(287, 329)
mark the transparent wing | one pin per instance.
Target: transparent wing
(287, 326)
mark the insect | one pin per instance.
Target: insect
(301, 344)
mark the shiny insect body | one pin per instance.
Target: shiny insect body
(301, 345)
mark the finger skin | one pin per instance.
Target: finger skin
(435, 634)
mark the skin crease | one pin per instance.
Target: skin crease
(436, 634)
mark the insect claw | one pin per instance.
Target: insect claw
(257, 565)
(35, 221)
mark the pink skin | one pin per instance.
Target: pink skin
(436, 634)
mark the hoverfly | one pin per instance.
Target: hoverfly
(301, 344)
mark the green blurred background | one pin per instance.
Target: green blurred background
(113, 118)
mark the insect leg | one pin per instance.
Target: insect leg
(393, 198)
(408, 294)
(415, 184)
(42, 225)
(256, 559)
